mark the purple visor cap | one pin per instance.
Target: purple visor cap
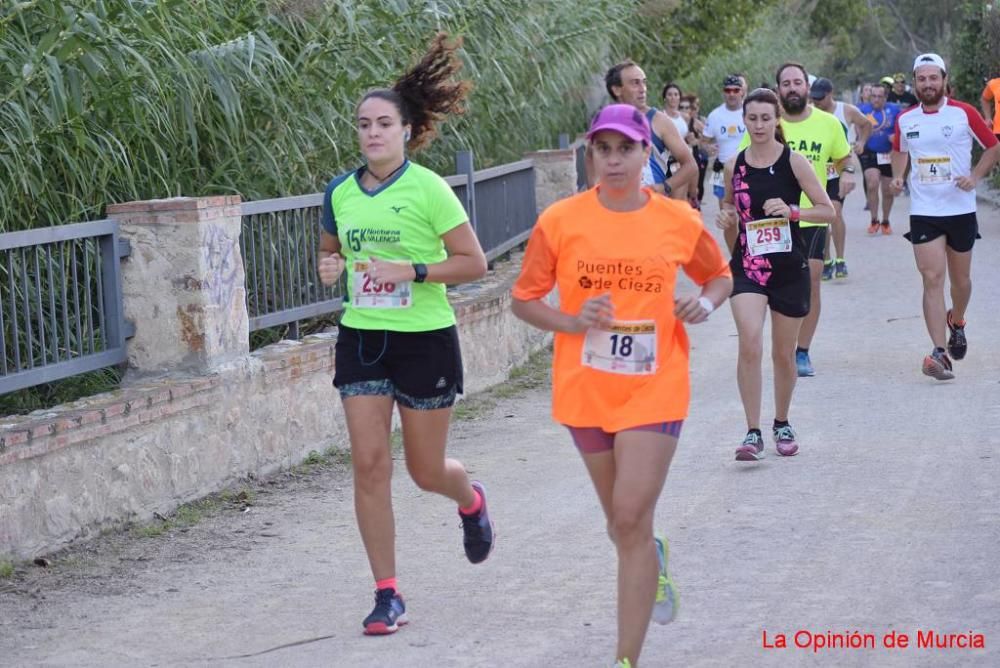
(624, 119)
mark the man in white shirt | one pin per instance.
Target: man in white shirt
(936, 136)
(724, 129)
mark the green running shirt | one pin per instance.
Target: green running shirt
(402, 220)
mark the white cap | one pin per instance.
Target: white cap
(929, 59)
(812, 79)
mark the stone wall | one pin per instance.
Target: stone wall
(199, 412)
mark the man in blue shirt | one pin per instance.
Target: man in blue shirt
(876, 158)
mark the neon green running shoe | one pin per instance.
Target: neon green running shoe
(623, 663)
(667, 596)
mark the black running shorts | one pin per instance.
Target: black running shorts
(833, 190)
(421, 370)
(815, 241)
(961, 230)
(790, 300)
(869, 160)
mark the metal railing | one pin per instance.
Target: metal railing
(280, 239)
(60, 302)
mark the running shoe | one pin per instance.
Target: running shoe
(937, 365)
(804, 364)
(828, 270)
(957, 345)
(478, 530)
(623, 663)
(886, 228)
(873, 228)
(784, 441)
(389, 613)
(667, 598)
(840, 269)
(752, 448)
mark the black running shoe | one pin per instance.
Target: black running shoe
(957, 345)
(478, 530)
(389, 613)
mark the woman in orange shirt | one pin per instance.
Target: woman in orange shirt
(620, 367)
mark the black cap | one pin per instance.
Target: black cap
(821, 88)
(731, 80)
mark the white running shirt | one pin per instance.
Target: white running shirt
(727, 129)
(940, 147)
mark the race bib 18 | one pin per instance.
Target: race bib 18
(884, 158)
(368, 294)
(626, 347)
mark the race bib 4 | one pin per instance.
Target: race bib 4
(935, 169)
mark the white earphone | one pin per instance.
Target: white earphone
(406, 137)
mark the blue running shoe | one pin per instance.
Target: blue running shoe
(827, 270)
(803, 364)
(478, 530)
(667, 599)
(389, 613)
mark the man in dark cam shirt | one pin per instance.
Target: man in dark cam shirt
(898, 93)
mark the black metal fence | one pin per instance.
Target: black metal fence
(60, 302)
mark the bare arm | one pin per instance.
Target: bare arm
(465, 262)
(862, 127)
(987, 111)
(680, 151)
(822, 210)
(538, 313)
(900, 161)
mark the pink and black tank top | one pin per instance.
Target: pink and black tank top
(752, 187)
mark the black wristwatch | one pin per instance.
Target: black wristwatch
(667, 189)
(420, 271)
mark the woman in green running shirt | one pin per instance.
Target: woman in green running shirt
(401, 234)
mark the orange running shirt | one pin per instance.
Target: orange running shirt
(587, 250)
(992, 92)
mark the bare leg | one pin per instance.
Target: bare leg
(811, 321)
(369, 420)
(784, 333)
(960, 276)
(425, 435)
(749, 312)
(931, 263)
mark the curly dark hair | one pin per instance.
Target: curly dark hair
(613, 77)
(428, 92)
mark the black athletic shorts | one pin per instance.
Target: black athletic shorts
(961, 230)
(790, 300)
(815, 240)
(421, 370)
(833, 190)
(869, 160)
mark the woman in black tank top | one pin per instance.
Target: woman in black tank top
(764, 185)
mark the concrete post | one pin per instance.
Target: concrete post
(555, 175)
(184, 285)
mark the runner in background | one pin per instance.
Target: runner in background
(398, 344)
(876, 159)
(936, 138)
(899, 93)
(672, 102)
(765, 183)
(620, 367)
(857, 128)
(991, 96)
(724, 130)
(691, 105)
(626, 83)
